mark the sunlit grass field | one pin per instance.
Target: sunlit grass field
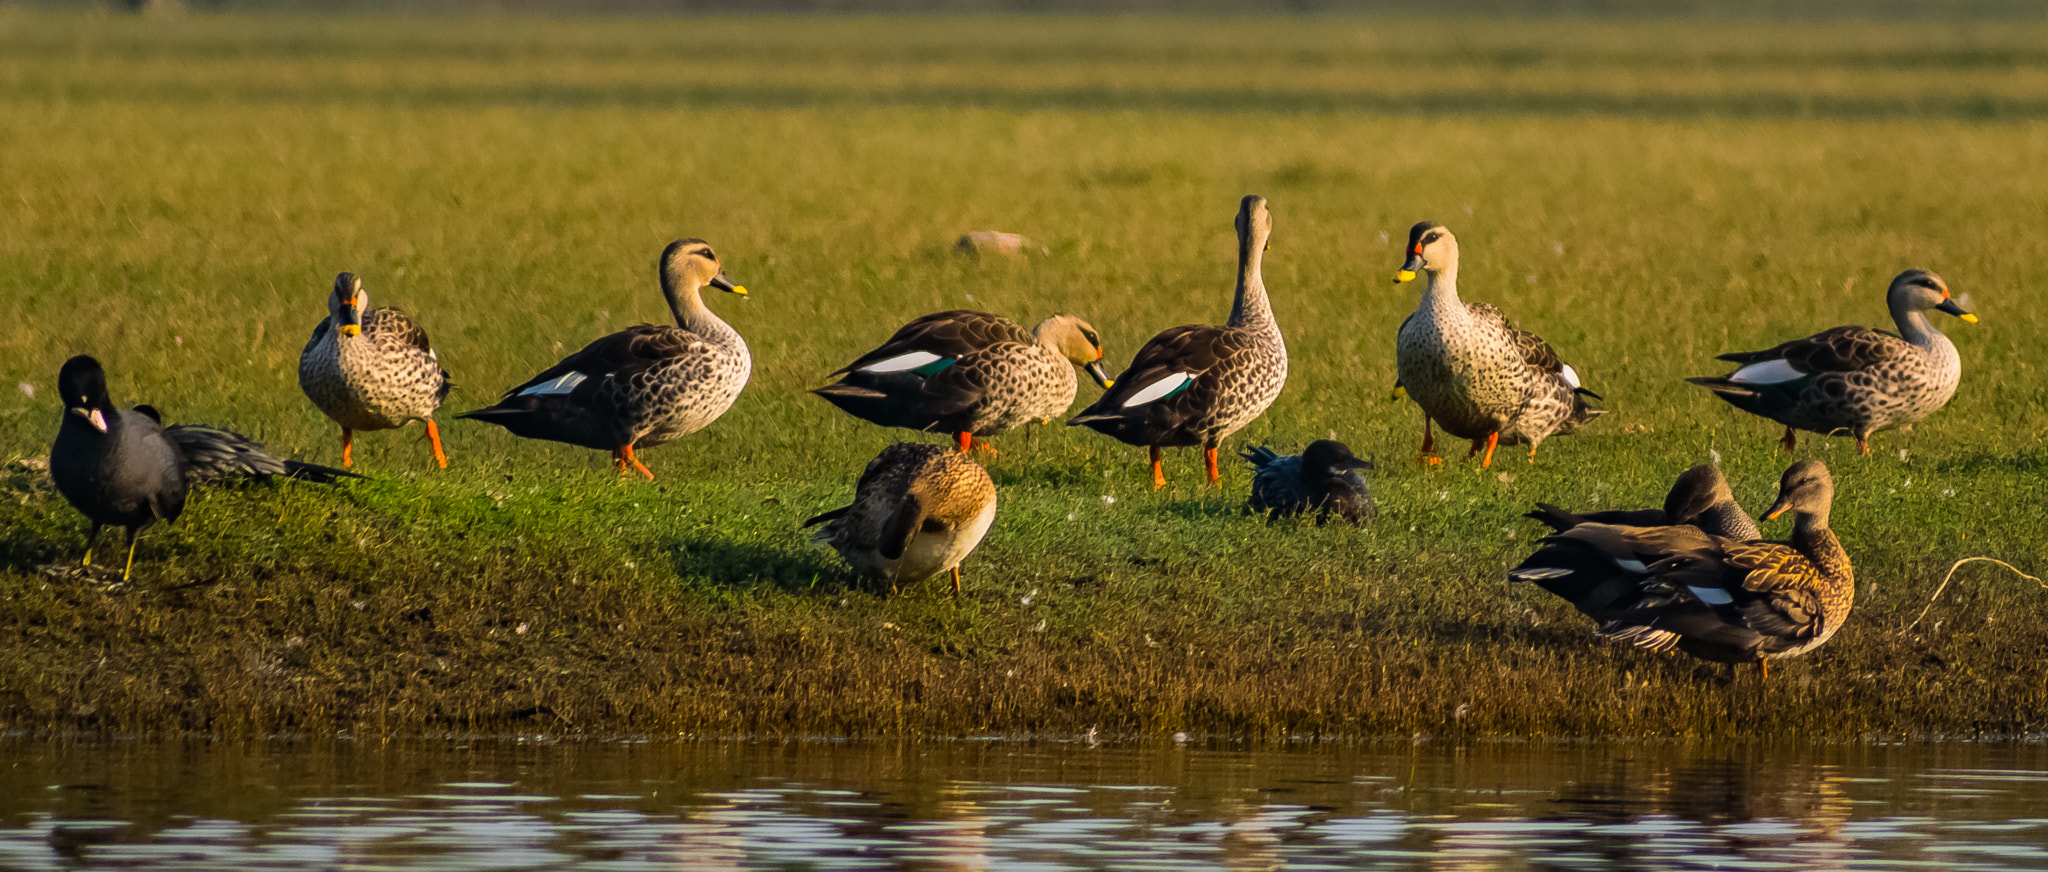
(180, 193)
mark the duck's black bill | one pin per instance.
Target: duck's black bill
(1952, 308)
(1095, 371)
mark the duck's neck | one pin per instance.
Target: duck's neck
(1442, 294)
(686, 302)
(1813, 538)
(1914, 326)
(1251, 308)
(1730, 520)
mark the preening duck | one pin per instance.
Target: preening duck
(1700, 497)
(372, 369)
(918, 511)
(1323, 478)
(1196, 385)
(969, 374)
(644, 385)
(1712, 597)
(1854, 380)
(121, 468)
(1471, 370)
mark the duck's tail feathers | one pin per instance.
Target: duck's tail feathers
(1724, 386)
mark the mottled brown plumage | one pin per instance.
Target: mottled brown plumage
(1854, 380)
(969, 373)
(1712, 597)
(1196, 385)
(372, 369)
(1472, 371)
(917, 511)
(645, 385)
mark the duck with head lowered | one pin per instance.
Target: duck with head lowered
(1471, 370)
(1854, 380)
(644, 385)
(1197, 384)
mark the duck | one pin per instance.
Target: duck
(1323, 477)
(123, 468)
(1473, 372)
(1195, 384)
(645, 385)
(372, 369)
(1854, 379)
(971, 374)
(1680, 588)
(1700, 497)
(917, 511)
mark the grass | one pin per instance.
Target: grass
(1645, 195)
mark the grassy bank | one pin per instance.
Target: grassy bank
(1644, 195)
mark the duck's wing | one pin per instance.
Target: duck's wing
(1560, 520)
(1164, 386)
(319, 333)
(399, 329)
(934, 342)
(1770, 381)
(616, 357)
(1535, 351)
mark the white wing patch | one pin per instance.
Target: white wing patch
(556, 386)
(1769, 372)
(1571, 376)
(1712, 596)
(902, 362)
(1635, 566)
(1158, 389)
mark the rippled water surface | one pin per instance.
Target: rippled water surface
(506, 804)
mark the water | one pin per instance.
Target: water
(507, 804)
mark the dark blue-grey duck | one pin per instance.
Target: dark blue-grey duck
(123, 468)
(1323, 478)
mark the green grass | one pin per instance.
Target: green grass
(1646, 195)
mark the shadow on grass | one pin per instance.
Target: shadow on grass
(729, 564)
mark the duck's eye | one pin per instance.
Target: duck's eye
(1090, 336)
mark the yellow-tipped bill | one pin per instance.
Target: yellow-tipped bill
(1968, 317)
(1403, 277)
(351, 329)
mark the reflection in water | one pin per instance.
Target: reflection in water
(504, 804)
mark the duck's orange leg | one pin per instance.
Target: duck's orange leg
(1789, 441)
(348, 444)
(1863, 447)
(1158, 472)
(434, 436)
(1215, 476)
(629, 463)
(1763, 670)
(956, 582)
(1492, 440)
(966, 441)
(1428, 456)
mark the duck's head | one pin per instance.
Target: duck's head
(1431, 247)
(348, 303)
(1254, 224)
(1917, 290)
(689, 264)
(1328, 458)
(83, 385)
(1077, 340)
(1806, 489)
(1697, 490)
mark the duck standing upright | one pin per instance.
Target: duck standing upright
(918, 511)
(644, 385)
(1471, 370)
(1853, 379)
(970, 374)
(1196, 384)
(372, 369)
